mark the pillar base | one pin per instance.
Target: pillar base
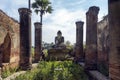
(90, 66)
(26, 67)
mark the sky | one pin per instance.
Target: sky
(64, 16)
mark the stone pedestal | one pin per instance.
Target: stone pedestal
(25, 38)
(38, 41)
(79, 41)
(58, 54)
(91, 38)
(114, 24)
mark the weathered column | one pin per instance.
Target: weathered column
(91, 38)
(79, 41)
(25, 38)
(38, 41)
(114, 25)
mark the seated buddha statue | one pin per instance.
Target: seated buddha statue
(59, 40)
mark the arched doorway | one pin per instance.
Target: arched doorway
(6, 49)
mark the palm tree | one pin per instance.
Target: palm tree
(42, 6)
(29, 1)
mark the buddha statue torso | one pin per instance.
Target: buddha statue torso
(59, 40)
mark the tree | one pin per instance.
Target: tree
(68, 43)
(29, 1)
(42, 6)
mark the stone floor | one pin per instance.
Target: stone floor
(97, 75)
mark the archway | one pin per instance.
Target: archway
(6, 49)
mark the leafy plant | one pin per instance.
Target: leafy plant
(55, 70)
(8, 71)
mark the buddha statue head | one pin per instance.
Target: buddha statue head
(59, 34)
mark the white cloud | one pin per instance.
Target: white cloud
(63, 20)
(63, 17)
(77, 3)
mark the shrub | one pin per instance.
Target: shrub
(55, 70)
(8, 71)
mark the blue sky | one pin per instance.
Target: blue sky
(64, 16)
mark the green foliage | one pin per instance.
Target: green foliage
(45, 51)
(42, 6)
(68, 45)
(8, 71)
(55, 70)
(32, 51)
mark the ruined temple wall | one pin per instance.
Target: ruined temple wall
(103, 44)
(9, 33)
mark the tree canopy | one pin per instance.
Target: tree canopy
(42, 6)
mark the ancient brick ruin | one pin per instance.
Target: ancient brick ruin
(114, 25)
(9, 41)
(102, 40)
(103, 45)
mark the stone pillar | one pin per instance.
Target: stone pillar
(91, 38)
(114, 25)
(79, 41)
(25, 38)
(38, 41)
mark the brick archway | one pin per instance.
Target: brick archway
(6, 49)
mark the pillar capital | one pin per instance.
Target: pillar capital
(94, 10)
(37, 25)
(24, 11)
(79, 23)
(111, 1)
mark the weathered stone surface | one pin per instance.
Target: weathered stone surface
(103, 45)
(91, 38)
(114, 25)
(38, 41)
(79, 41)
(9, 39)
(58, 54)
(25, 38)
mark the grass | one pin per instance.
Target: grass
(32, 51)
(55, 70)
(8, 71)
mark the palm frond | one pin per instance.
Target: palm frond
(42, 7)
(34, 5)
(49, 9)
(36, 11)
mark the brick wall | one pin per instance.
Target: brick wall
(103, 45)
(9, 39)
